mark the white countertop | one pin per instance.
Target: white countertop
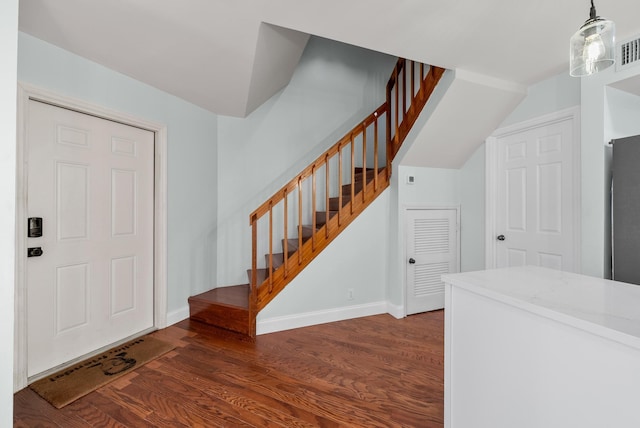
(607, 308)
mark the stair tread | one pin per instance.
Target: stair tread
(232, 296)
(278, 260)
(292, 244)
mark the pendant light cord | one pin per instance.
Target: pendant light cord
(592, 12)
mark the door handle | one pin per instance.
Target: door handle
(34, 252)
(500, 238)
(412, 261)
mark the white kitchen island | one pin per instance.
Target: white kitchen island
(533, 347)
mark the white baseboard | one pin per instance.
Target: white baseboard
(396, 311)
(288, 322)
(177, 315)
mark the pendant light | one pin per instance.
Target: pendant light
(592, 47)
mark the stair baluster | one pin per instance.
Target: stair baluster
(397, 118)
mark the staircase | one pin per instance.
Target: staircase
(293, 226)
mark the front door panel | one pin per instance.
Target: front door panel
(91, 182)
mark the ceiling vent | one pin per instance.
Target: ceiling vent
(628, 54)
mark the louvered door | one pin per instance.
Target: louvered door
(432, 251)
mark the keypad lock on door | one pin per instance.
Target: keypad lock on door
(34, 227)
(34, 230)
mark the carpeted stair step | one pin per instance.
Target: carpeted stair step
(334, 203)
(370, 174)
(307, 230)
(278, 260)
(346, 189)
(292, 243)
(322, 217)
(261, 274)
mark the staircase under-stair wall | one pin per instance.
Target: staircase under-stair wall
(300, 220)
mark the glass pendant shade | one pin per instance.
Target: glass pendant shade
(592, 47)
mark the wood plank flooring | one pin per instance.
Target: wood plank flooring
(367, 372)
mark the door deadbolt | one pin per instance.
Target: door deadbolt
(34, 252)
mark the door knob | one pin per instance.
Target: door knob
(412, 261)
(500, 238)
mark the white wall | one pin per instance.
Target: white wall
(334, 87)
(192, 155)
(8, 88)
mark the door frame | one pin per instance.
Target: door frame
(405, 255)
(27, 92)
(491, 179)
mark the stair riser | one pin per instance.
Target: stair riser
(292, 246)
(234, 319)
(321, 217)
(278, 260)
(334, 203)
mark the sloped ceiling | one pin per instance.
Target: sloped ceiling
(230, 56)
(215, 54)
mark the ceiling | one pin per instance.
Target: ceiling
(230, 56)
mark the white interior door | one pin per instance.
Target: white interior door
(432, 250)
(534, 221)
(91, 180)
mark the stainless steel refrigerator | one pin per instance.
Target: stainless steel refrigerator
(625, 210)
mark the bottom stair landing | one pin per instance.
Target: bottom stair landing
(224, 307)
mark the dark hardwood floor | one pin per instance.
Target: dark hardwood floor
(368, 372)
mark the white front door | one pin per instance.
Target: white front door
(534, 217)
(432, 250)
(91, 181)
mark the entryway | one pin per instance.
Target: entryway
(92, 249)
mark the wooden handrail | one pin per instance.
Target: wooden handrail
(397, 114)
(305, 173)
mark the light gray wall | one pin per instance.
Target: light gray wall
(556, 93)
(356, 259)
(432, 188)
(192, 154)
(472, 212)
(9, 49)
(333, 88)
(621, 114)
